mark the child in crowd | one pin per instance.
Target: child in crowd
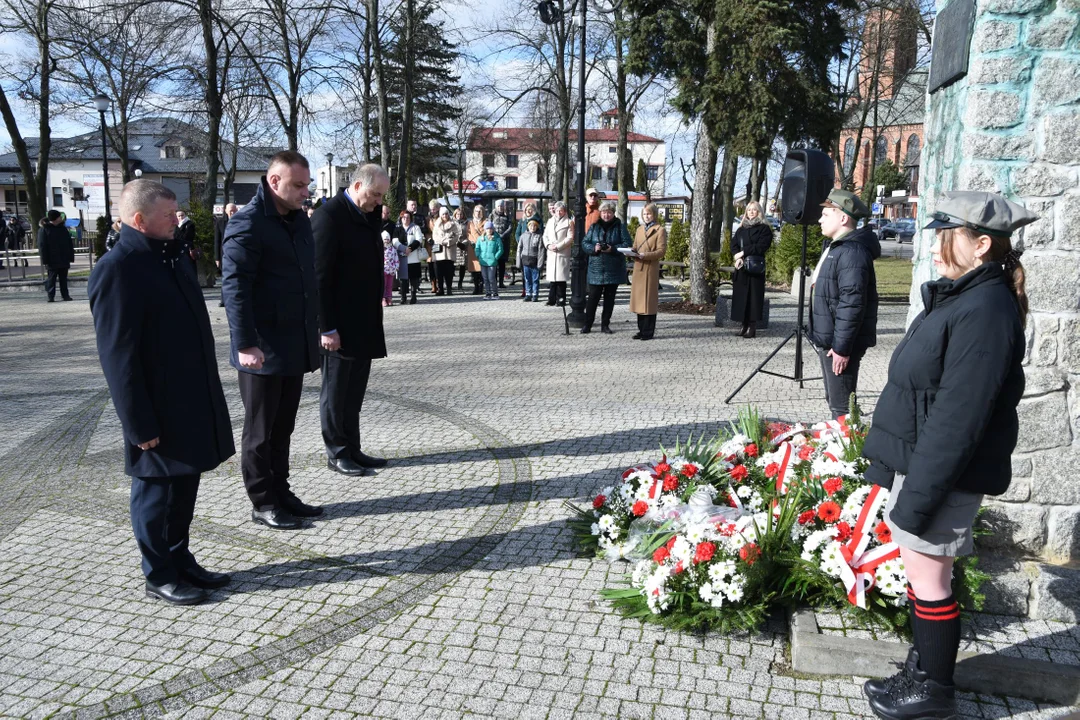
(488, 251)
(391, 262)
(530, 258)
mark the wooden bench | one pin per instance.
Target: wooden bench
(680, 266)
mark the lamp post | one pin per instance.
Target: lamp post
(330, 173)
(103, 103)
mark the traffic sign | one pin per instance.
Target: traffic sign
(877, 208)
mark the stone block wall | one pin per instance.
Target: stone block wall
(1012, 126)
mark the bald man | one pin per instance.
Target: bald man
(157, 352)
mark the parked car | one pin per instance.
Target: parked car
(902, 230)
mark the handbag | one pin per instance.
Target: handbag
(436, 248)
(754, 265)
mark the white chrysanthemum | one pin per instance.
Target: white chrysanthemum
(697, 532)
(669, 502)
(606, 492)
(853, 505)
(626, 492)
(734, 591)
(734, 445)
(682, 550)
(706, 592)
(607, 522)
(719, 571)
(640, 572)
(744, 491)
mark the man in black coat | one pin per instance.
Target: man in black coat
(268, 283)
(220, 223)
(349, 268)
(844, 305)
(157, 353)
(56, 252)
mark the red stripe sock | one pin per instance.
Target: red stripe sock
(937, 636)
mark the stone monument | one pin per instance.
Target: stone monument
(1008, 121)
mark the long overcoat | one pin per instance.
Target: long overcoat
(606, 268)
(559, 240)
(474, 232)
(157, 352)
(651, 244)
(748, 291)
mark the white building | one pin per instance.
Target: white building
(524, 159)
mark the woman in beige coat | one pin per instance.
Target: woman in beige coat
(445, 235)
(474, 232)
(558, 239)
(650, 244)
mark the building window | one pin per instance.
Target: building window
(881, 150)
(612, 149)
(652, 172)
(489, 160)
(77, 194)
(611, 174)
(172, 151)
(57, 197)
(511, 161)
(511, 182)
(914, 151)
(541, 173)
(597, 173)
(849, 155)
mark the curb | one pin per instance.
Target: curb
(1038, 680)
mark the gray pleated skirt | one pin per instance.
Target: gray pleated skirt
(949, 533)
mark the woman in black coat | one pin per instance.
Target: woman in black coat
(748, 246)
(945, 428)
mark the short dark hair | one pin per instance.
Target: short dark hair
(289, 158)
(54, 215)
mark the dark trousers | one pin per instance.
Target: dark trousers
(161, 512)
(344, 382)
(502, 269)
(838, 388)
(444, 269)
(270, 405)
(477, 283)
(57, 273)
(595, 291)
(556, 292)
(403, 286)
(415, 270)
(462, 269)
(646, 325)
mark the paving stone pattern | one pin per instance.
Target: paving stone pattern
(446, 585)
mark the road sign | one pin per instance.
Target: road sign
(468, 185)
(877, 208)
(489, 184)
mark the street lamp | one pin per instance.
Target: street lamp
(330, 172)
(138, 173)
(103, 103)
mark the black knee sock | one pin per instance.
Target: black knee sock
(937, 636)
(911, 616)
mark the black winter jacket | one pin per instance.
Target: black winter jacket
(55, 247)
(843, 315)
(269, 288)
(947, 415)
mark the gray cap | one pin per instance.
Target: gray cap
(982, 212)
(849, 202)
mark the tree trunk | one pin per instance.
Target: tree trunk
(705, 163)
(716, 221)
(623, 114)
(213, 102)
(380, 82)
(404, 152)
(727, 188)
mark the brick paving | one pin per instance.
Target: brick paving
(446, 585)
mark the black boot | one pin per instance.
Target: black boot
(886, 685)
(751, 331)
(918, 699)
(742, 333)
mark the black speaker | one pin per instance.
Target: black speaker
(808, 180)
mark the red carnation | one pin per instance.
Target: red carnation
(827, 511)
(750, 553)
(670, 482)
(704, 552)
(832, 485)
(661, 467)
(690, 470)
(670, 543)
(678, 568)
(806, 516)
(883, 533)
(640, 508)
(772, 470)
(598, 502)
(843, 531)
(660, 555)
(750, 450)
(739, 472)
(806, 451)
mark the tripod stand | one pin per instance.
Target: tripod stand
(798, 333)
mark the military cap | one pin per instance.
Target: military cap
(982, 212)
(849, 202)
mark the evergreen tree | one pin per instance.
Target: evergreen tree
(887, 174)
(642, 180)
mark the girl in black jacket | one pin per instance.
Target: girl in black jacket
(945, 428)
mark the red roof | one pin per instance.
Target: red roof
(533, 138)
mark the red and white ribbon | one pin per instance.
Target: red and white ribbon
(785, 465)
(831, 428)
(857, 572)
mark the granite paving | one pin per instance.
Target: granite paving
(445, 585)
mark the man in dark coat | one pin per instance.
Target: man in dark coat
(220, 223)
(844, 306)
(268, 282)
(349, 268)
(157, 353)
(56, 252)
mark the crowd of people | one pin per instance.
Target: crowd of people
(308, 293)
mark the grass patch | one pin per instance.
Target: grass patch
(893, 278)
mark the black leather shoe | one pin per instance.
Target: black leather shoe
(200, 577)
(646, 337)
(68, 299)
(881, 686)
(345, 466)
(636, 336)
(177, 593)
(278, 518)
(368, 461)
(606, 330)
(300, 509)
(586, 330)
(920, 698)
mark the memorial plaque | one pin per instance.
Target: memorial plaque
(952, 43)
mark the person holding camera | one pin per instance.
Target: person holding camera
(844, 298)
(607, 266)
(748, 247)
(411, 236)
(945, 428)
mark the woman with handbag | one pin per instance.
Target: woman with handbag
(412, 237)
(748, 246)
(444, 250)
(650, 244)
